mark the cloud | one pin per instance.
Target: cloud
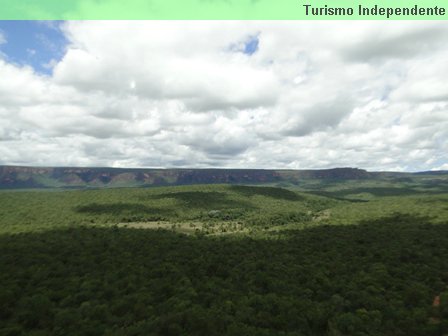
(233, 94)
(393, 40)
(425, 80)
(202, 72)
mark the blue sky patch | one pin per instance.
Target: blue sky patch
(36, 43)
(251, 45)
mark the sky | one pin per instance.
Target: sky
(234, 94)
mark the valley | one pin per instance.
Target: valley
(320, 256)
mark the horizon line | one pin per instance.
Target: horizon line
(220, 168)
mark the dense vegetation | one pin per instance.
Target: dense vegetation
(293, 265)
(23, 211)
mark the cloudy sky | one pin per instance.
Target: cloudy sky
(240, 94)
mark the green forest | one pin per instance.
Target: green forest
(340, 258)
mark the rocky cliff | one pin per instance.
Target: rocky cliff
(51, 177)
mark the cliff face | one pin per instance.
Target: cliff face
(36, 177)
(335, 173)
(20, 177)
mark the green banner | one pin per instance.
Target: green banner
(223, 10)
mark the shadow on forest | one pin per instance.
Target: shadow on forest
(380, 192)
(277, 193)
(335, 197)
(120, 209)
(379, 277)
(206, 200)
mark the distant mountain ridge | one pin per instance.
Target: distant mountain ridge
(16, 177)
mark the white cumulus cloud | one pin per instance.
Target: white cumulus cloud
(185, 94)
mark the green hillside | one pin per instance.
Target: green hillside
(250, 207)
(323, 258)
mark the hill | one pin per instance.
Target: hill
(13, 177)
(367, 258)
